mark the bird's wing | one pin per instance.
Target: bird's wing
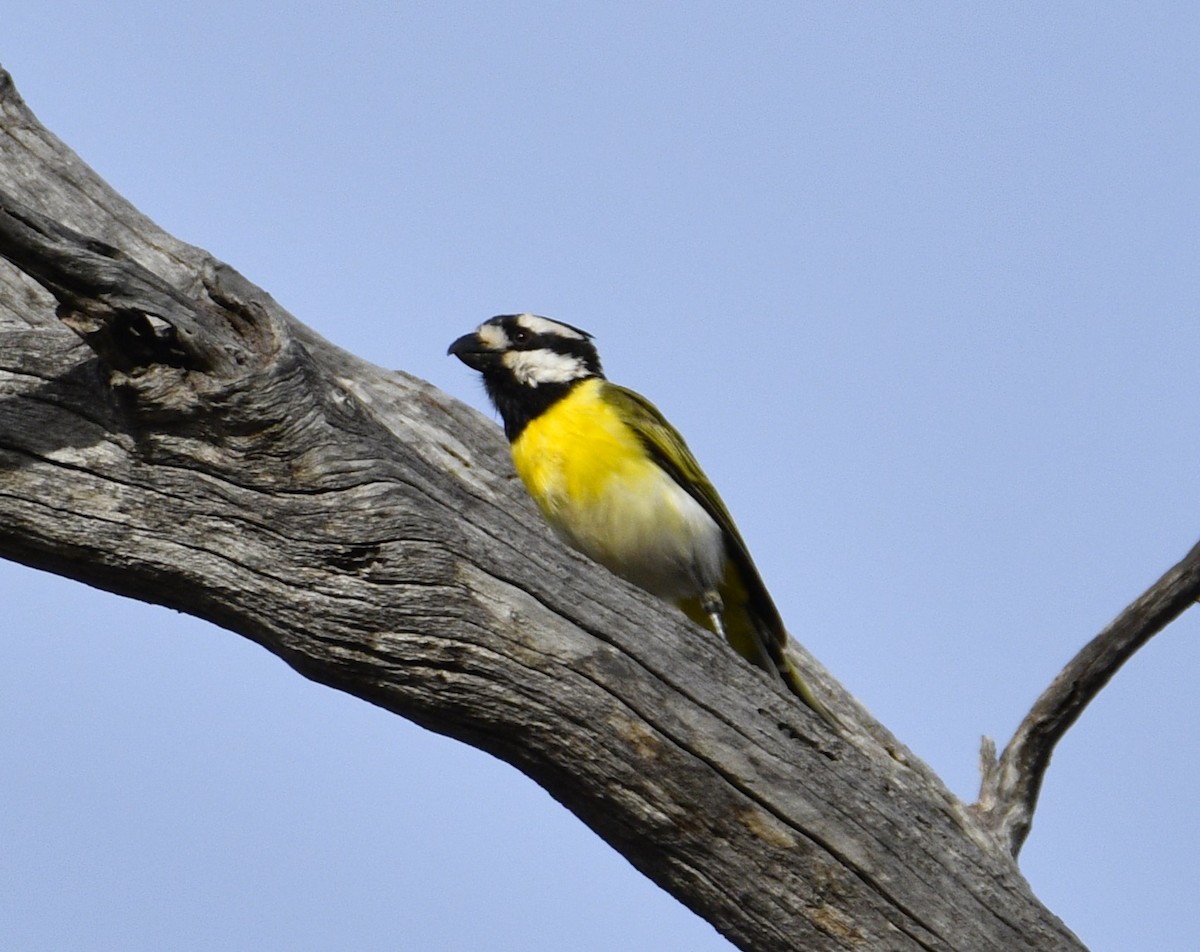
(668, 449)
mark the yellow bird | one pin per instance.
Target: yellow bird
(616, 481)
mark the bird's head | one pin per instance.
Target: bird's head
(527, 363)
(528, 351)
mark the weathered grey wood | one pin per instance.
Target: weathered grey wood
(168, 432)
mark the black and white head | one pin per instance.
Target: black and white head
(527, 362)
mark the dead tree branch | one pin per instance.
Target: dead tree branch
(169, 433)
(1009, 792)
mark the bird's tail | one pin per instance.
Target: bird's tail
(799, 687)
(761, 641)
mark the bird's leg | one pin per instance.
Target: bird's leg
(712, 606)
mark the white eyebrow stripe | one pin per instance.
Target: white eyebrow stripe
(543, 325)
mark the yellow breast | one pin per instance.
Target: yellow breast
(594, 482)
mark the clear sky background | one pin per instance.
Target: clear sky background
(917, 281)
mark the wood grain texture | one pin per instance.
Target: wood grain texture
(168, 432)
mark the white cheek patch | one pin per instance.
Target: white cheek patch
(533, 367)
(543, 325)
(492, 337)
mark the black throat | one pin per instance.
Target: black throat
(519, 404)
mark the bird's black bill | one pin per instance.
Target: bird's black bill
(471, 351)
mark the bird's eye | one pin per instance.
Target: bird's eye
(520, 336)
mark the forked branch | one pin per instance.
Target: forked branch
(1011, 784)
(204, 450)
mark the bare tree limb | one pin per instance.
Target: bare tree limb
(169, 433)
(1009, 791)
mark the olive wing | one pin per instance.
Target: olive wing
(668, 449)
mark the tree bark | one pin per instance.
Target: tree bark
(169, 433)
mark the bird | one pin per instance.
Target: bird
(617, 482)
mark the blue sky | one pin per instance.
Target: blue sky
(918, 283)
